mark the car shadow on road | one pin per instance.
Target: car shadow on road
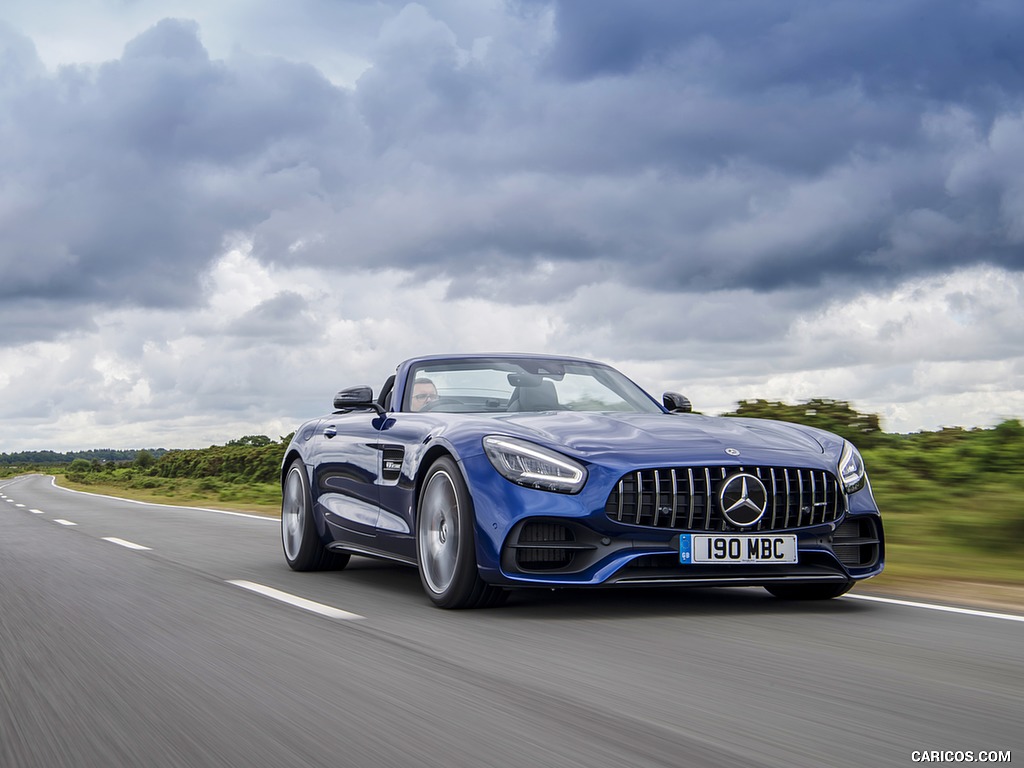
(634, 602)
(402, 583)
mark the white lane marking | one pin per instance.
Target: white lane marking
(64, 522)
(298, 602)
(933, 607)
(123, 543)
(36, 511)
(9, 501)
(53, 482)
(20, 506)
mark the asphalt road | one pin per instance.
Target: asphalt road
(114, 656)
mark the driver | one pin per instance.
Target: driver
(423, 392)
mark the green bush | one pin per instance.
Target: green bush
(861, 429)
(236, 462)
(80, 466)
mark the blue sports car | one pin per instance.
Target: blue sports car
(491, 472)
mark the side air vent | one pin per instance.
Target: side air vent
(856, 543)
(391, 464)
(544, 547)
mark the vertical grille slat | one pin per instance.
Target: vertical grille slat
(800, 503)
(708, 499)
(657, 496)
(789, 496)
(685, 498)
(693, 498)
(639, 481)
(675, 498)
(815, 502)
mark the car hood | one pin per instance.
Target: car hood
(592, 435)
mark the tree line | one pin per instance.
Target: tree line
(952, 454)
(53, 458)
(964, 457)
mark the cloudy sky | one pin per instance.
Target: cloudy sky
(215, 215)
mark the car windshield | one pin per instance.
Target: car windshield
(485, 385)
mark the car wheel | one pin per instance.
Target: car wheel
(302, 546)
(445, 544)
(810, 591)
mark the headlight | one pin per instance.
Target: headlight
(531, 465)
(851, 469)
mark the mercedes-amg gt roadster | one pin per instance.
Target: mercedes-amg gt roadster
(494, 472)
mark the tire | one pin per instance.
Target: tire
(302, 546)
(445, 541)
(810, 591)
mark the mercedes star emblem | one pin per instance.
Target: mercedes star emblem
(743, 499)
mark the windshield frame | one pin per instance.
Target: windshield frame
(634, 399)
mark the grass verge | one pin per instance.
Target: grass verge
(934, 550)
(257, 498)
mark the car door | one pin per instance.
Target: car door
(346, 466)
(403, 438)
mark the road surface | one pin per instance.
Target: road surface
(145, 635)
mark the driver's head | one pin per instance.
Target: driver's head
(423, 392)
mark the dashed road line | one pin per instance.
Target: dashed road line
(299, 602)
(126, 544)
(61, 521)
(36, 511)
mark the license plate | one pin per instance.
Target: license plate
(746, 548)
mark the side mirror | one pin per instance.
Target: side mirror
(356, 397)
(676, 403)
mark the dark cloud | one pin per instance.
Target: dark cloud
(912, 48)
(678, 147)
(35, 319)
(282, 319)
(121, 183)
(19, 62)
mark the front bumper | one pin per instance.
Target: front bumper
(527, 537)
(563, 553)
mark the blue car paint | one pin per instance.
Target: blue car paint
(345, 475)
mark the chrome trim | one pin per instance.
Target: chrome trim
(675, 497)
(708, 498)
(622, 493)
(693, 498)
(814, 495)
(800, 502)
(789, 495)
(814, 504)
(657, 495)
(639, 496)
(736, 580)
(337, 546)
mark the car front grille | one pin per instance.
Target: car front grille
(687, 498)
